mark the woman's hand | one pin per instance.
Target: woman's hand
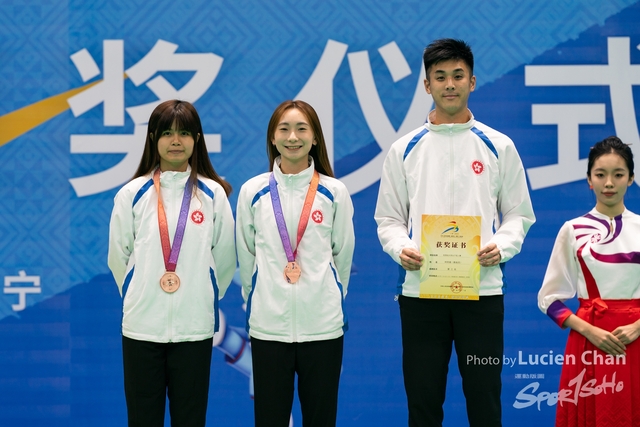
(605, 341)
(627, 333)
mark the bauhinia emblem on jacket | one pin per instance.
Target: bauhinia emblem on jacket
(317, 216)
(477, 167)
(197, 217)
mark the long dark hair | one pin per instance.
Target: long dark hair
(185, 117)
(318, 151)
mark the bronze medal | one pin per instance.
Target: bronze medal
(170, 282)
(292, 272)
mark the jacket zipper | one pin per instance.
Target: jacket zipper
(294, 297)
(170, 316)
(451, 171)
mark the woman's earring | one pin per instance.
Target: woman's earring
(590, 187)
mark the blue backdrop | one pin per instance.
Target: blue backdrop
(554, 76)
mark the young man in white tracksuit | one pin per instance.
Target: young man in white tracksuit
(453, 165)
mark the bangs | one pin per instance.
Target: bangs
(180, 116)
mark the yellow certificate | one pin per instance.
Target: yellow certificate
(449, 245)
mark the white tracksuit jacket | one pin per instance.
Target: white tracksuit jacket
(453, 169)
(205, 266)
(311, 309)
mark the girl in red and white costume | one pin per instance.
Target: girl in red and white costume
(597, 257)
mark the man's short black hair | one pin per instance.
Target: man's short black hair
(446, 49)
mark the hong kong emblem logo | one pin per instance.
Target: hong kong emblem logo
(477, 167)
(317, 217)
(197, 217)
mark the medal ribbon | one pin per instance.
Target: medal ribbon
(304, 215)
(171, 253)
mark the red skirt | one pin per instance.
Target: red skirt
(598, 389)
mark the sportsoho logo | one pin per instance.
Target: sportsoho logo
(579, 386)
